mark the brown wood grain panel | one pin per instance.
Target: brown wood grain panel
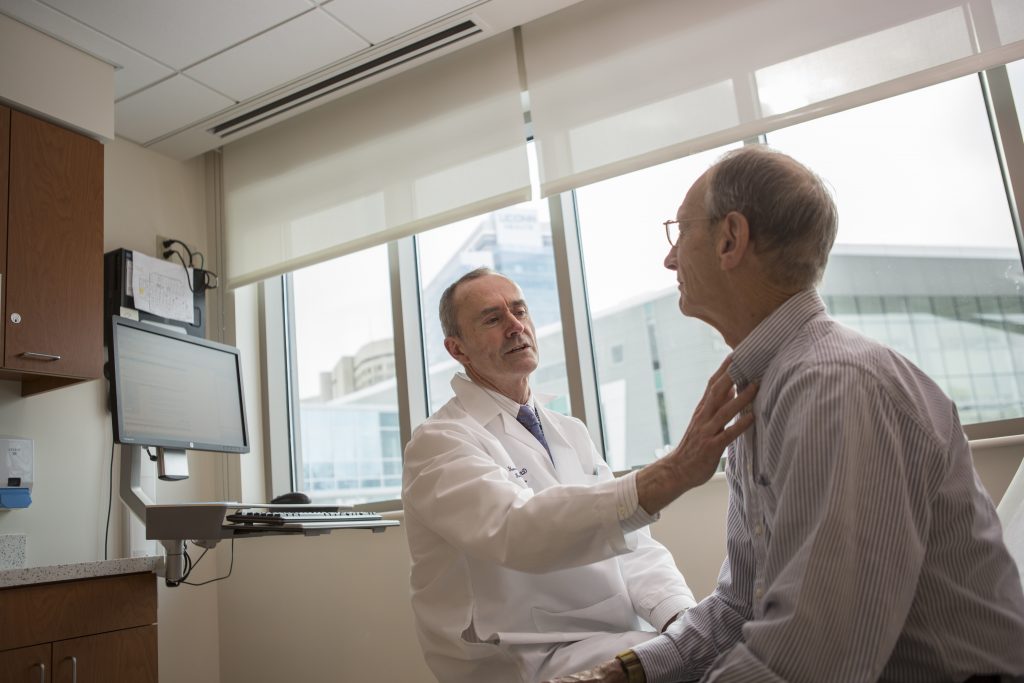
(5, 153)
(34, 384)
(41, 613)
(54, 250)
(25, 665)
(128, 656)
(37, 384)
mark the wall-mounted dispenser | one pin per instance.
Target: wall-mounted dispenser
(16, 467)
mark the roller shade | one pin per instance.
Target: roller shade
(429, 146)
(618, 86)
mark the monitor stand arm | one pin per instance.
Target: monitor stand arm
(172, 465)
(131, 488)
(137, 501)
(173, 565)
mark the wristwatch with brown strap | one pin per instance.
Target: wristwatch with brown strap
(631, 665)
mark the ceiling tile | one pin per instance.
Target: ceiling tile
(182, 32)
(177, 102)
(272, 58)
(134, 70)
(382, 19)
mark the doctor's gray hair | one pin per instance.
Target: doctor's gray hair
(447, 310)
(791, 213)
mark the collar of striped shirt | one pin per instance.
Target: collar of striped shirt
(752, 356)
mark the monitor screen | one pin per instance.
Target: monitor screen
(175, 391)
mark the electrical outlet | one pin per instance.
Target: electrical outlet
(160, 248)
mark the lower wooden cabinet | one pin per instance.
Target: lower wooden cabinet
(126, 655)
(26, 664)
(100, 630)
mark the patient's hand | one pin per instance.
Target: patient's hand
(609, 672)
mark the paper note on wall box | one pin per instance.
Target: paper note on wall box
(16, 462)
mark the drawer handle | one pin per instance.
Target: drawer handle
(32, 355)
(42, 671)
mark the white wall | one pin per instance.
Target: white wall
(72, 450)
(320, 609)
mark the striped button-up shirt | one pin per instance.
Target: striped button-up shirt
(860, 543)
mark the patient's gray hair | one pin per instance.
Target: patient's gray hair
(447, 310)
(792, 216)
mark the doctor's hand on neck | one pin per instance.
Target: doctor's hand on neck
(696, 457)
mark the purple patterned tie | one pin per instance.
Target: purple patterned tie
(528, 419)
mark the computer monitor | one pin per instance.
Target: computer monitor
(175, 392)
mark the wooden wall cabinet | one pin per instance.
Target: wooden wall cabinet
(100, 630)
(51, 253)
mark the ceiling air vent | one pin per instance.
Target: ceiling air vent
(348, 77)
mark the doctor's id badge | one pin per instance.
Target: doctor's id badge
(519, 472)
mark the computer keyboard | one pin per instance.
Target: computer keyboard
(280, 517)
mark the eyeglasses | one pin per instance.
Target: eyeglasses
(668, 230)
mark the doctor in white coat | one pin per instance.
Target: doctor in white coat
(529, 559)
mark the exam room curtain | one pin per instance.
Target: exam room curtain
(438, 143)
(618, 86)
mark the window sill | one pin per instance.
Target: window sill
(989, 435)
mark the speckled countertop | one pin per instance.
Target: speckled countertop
(80, 570)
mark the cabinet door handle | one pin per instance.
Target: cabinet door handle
(42, 671)
(40, 356)
(74, 669)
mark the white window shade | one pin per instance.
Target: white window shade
(618, 86)
(429, 146)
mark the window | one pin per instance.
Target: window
(652, 363)
(515, 242)
(348, 445)
(926, 259)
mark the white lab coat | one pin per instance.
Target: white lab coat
(508, 550)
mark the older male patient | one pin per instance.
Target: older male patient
(860, 545)
(529, 559)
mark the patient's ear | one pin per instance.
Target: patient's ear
(733, 240)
